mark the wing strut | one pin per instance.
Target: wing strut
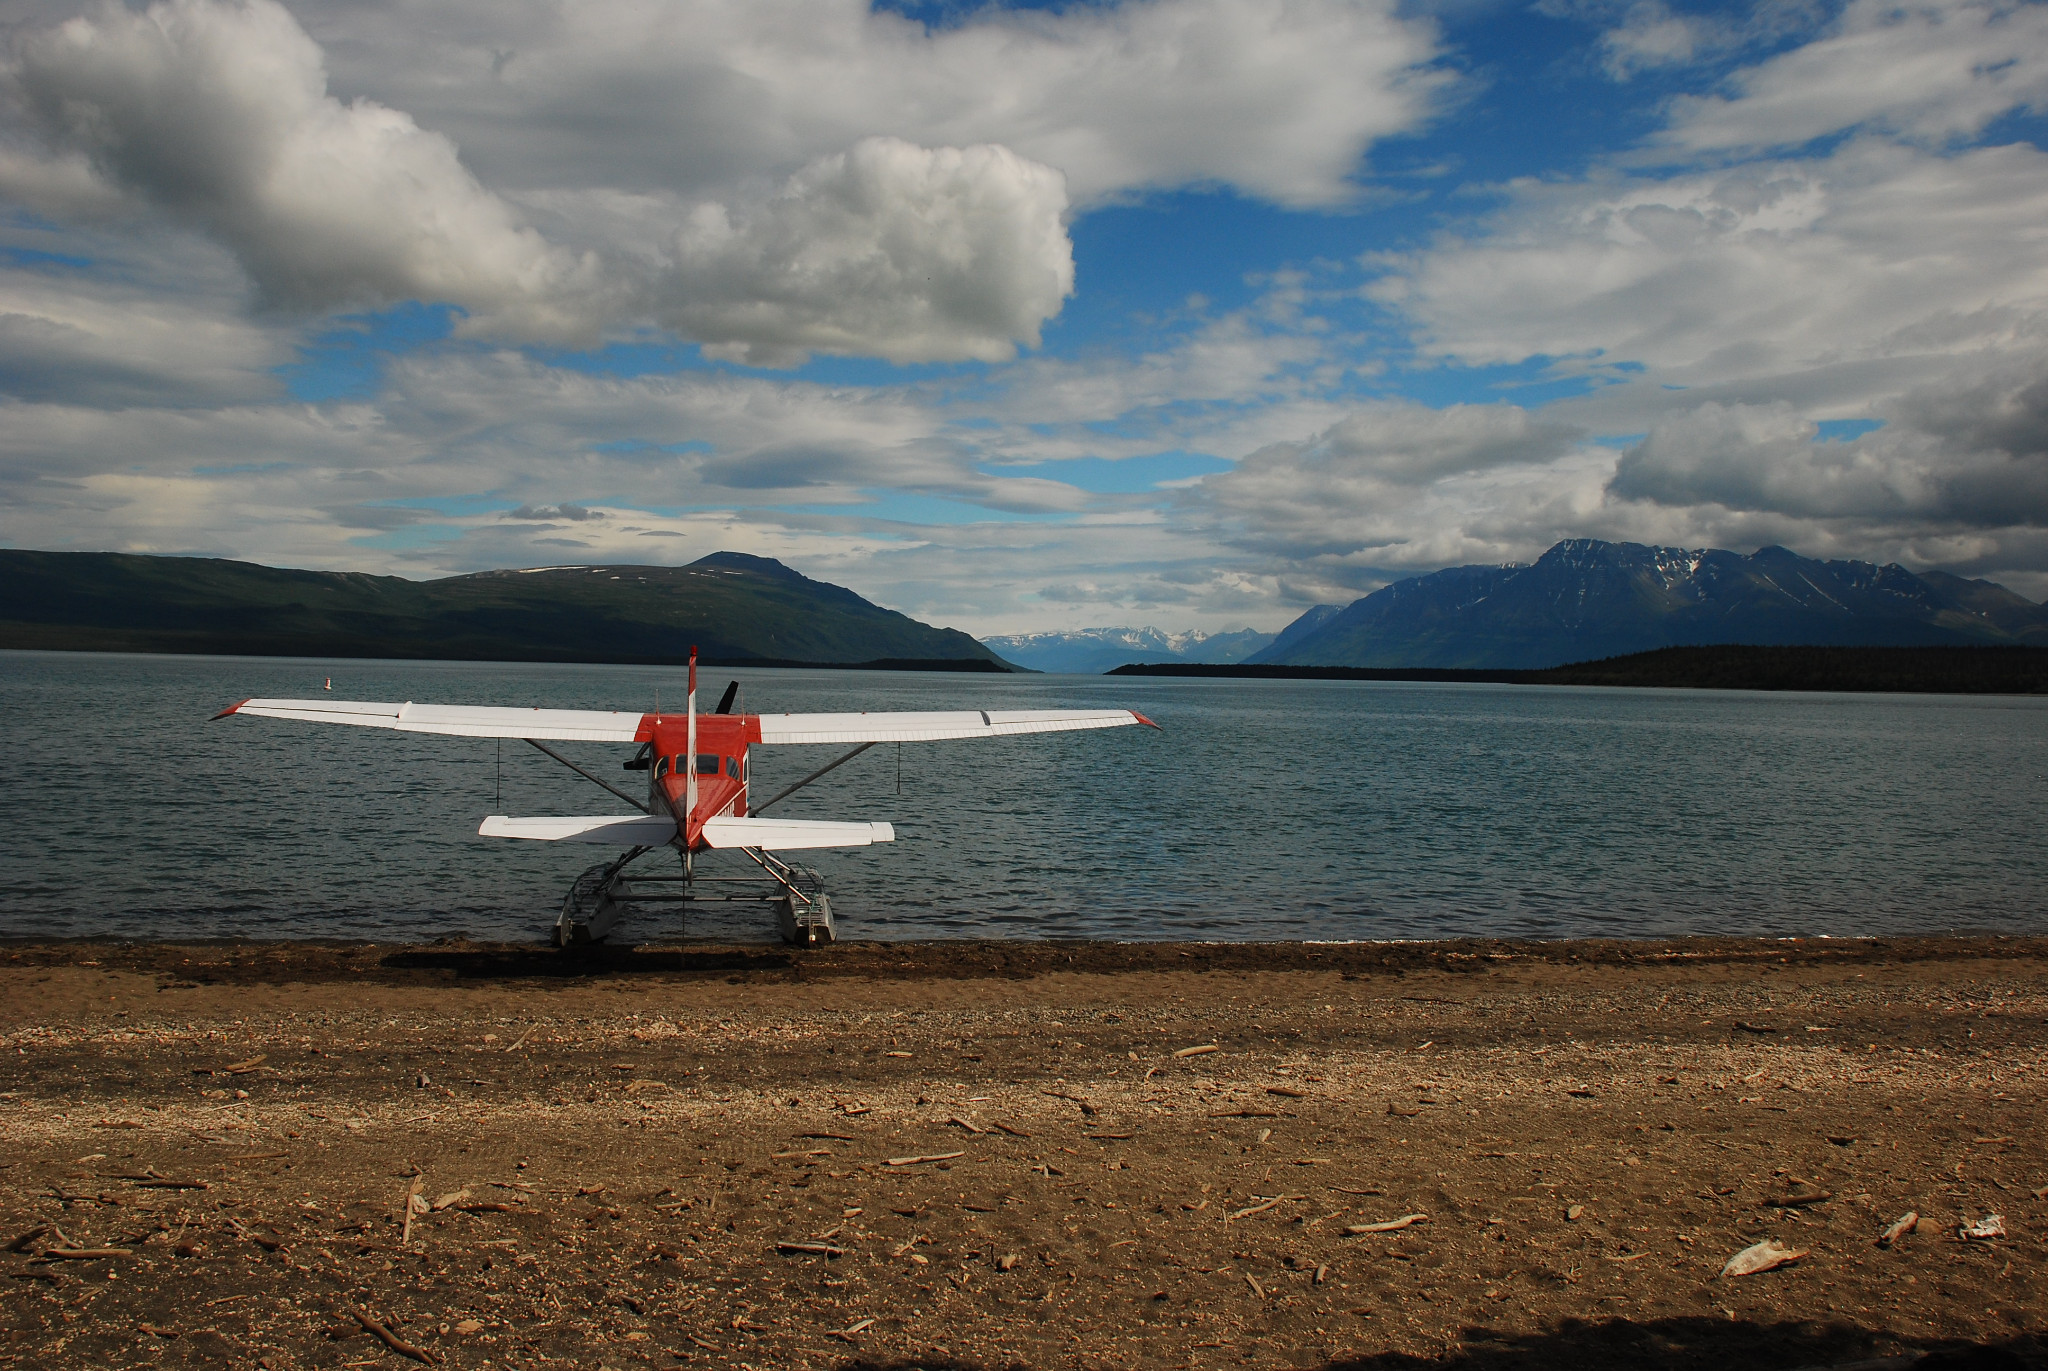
(812, 777)
(588, 777)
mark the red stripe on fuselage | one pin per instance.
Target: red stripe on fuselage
(724, 736)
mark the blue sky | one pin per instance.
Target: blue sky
(1181, 313)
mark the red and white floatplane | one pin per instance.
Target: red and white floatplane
(697, 789)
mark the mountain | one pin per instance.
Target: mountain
(1586, 599)
(1286, 638)
(736, 608)
(1096, 650)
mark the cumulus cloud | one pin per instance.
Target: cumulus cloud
(1378, 483)
(1278, 98)
(889, 249)
(218, 115)
(1931, 71)
(1966, 452)
(1840, 275)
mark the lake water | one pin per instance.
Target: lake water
(1267, 809)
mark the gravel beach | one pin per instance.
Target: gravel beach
(1465, 1154)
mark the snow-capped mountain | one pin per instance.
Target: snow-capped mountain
(1092, 651)
(1586, 599)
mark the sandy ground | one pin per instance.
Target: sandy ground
(1053, 1155)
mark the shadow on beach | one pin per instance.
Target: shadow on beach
(1584, 1345)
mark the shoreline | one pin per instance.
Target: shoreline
(952, 1155)
(321, 959)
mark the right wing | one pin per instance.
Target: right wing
(468, 721)
(936, 725)
(782, 835)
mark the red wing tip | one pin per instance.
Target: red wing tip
(1145, 721)
(231, 709)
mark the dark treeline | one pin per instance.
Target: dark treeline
(1908, 670)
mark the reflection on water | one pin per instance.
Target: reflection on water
(1268, 809)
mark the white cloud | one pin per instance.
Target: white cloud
(1278, 98)
(1931, 71)
(1964, 453)
(1648, 35)
(218, 116)
(1651, 36)
(1835, 280)
(1394, 484)
(887, 250)
(84, 318)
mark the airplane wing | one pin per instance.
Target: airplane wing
(469, 721)
(610, 830)
(781, 835)
(934, 726)
(614, 726)
(633, 830)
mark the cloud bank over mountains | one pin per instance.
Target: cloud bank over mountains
(815, 281)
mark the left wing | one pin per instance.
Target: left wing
(468, 721)
(934, 726)
(613, 830)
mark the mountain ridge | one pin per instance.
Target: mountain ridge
(735, 607)
(1586, 599)
(1095, 650)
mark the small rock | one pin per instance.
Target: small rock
(468, 1326)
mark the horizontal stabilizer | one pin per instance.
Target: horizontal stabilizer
(611, 830)
(780, 835)
(466, 721)
(937, 725)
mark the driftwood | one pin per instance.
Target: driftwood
(1262, 1208)
(1767, 1255)
(1388, 1226)
(412, 1207)
(391, 1339)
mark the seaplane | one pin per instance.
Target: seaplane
(698, 795)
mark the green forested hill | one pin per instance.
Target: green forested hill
(734, 607)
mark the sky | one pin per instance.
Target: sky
(1189, 313)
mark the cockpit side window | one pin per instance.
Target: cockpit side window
(660, 767)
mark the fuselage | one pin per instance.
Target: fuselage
(721, 764)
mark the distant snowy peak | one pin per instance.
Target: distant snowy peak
(1092, 651)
